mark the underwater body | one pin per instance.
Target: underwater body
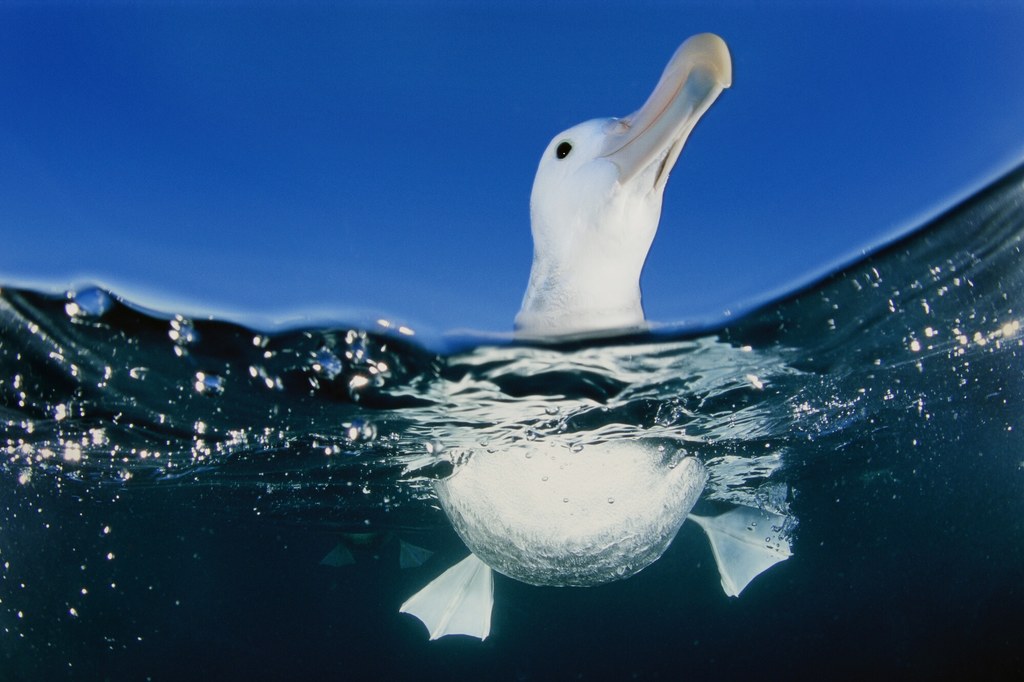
(183, 497)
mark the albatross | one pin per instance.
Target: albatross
(596, 200)
(545, 514)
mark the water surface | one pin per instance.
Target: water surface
(170, 485)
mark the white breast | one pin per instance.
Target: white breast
(547, 515)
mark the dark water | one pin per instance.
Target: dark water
(169, 486)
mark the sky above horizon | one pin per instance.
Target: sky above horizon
(273, 161)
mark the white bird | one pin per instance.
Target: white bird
(597, 196)
(544, 513)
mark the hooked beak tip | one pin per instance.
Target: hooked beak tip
(709, 51)
(694, 77)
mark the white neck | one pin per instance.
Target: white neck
(576, 298)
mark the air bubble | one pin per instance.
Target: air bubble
(326, 363)
(360, 430)
(209, 384)
(91, 302)
(356, 345)
(182, 332)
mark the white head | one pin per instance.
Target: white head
(596, 199)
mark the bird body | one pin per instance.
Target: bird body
(545, 513)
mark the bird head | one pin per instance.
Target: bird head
(597, 197)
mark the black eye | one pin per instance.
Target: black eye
(563, 150)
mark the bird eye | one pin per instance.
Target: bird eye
(563, 150)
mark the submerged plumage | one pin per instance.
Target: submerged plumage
(545, 514)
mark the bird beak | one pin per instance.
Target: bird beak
(699, 70)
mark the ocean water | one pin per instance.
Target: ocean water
(194, 499)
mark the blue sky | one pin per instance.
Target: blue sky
(280, 160)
